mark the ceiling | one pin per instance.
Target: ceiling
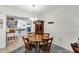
(39, 9)
(42, 9)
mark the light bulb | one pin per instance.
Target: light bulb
(36, 19)
(31, 19)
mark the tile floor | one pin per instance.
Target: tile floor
(11, 46)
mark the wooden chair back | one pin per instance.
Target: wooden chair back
(46, 34)
(28, 45)
(26, 41)
(31, 34)
(75, 48)
(48, 41)
(47, 44)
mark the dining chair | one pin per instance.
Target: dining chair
(46, 34)
(46, 46)
(28, 45)
(75, 47)
(31, 34)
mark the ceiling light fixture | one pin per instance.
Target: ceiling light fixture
(33, 18)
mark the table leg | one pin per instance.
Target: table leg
(37, 47)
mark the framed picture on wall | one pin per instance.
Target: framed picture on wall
(51, 22)
(1, 23)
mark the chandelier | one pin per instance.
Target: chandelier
(33, 18)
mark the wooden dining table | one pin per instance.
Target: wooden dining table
(37, 38)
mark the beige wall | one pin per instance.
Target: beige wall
(3, 32)
(65, 29)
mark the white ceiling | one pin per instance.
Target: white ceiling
(42, 9)
(39, 9)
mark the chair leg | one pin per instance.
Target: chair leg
(29, 51)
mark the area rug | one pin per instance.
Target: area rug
(54, 49)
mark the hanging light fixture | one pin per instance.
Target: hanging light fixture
(33, 18)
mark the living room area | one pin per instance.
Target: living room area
(59, 22)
